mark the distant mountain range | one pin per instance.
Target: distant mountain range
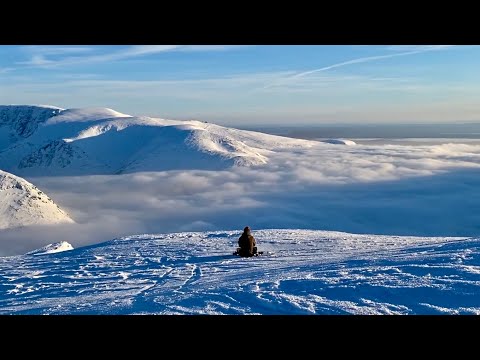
(46, 140)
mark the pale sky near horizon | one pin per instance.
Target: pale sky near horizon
(248, 85)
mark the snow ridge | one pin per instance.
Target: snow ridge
(22, 204)
(24, 120)
(52, 248)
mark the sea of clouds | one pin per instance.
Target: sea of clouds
(427, 190)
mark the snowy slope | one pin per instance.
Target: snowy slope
(18, 122)
(305, 272)
(52, 248)
(103, 141)
(22, 203)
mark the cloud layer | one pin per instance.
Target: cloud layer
(380, 189)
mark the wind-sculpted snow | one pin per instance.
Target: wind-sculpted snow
(303, 272)
(52, 248)
(85, 114)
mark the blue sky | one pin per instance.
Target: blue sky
(248, 85)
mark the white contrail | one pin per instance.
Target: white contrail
(355, 61)
(359, 60)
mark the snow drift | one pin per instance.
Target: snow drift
(52, 248)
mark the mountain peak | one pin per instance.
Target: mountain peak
(22, 204)
(85, 114)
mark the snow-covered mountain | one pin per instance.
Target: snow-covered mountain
(103, 141)
(302, 272)
(22, 203)
(19, 122)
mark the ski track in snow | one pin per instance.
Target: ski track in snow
(304, 272)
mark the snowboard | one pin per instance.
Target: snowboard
(256, 254)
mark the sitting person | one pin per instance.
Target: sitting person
(247, 243)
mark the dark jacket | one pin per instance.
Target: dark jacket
(247, 244)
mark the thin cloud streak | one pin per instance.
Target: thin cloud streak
(212, 47)
(6, 70)
(39, 58)
(57, 50)
(418, 47)
(357, 61)
(132, 51)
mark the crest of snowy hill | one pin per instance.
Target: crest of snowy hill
(103, 141)
(301, 272)
(22, 204)
(52, 248)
